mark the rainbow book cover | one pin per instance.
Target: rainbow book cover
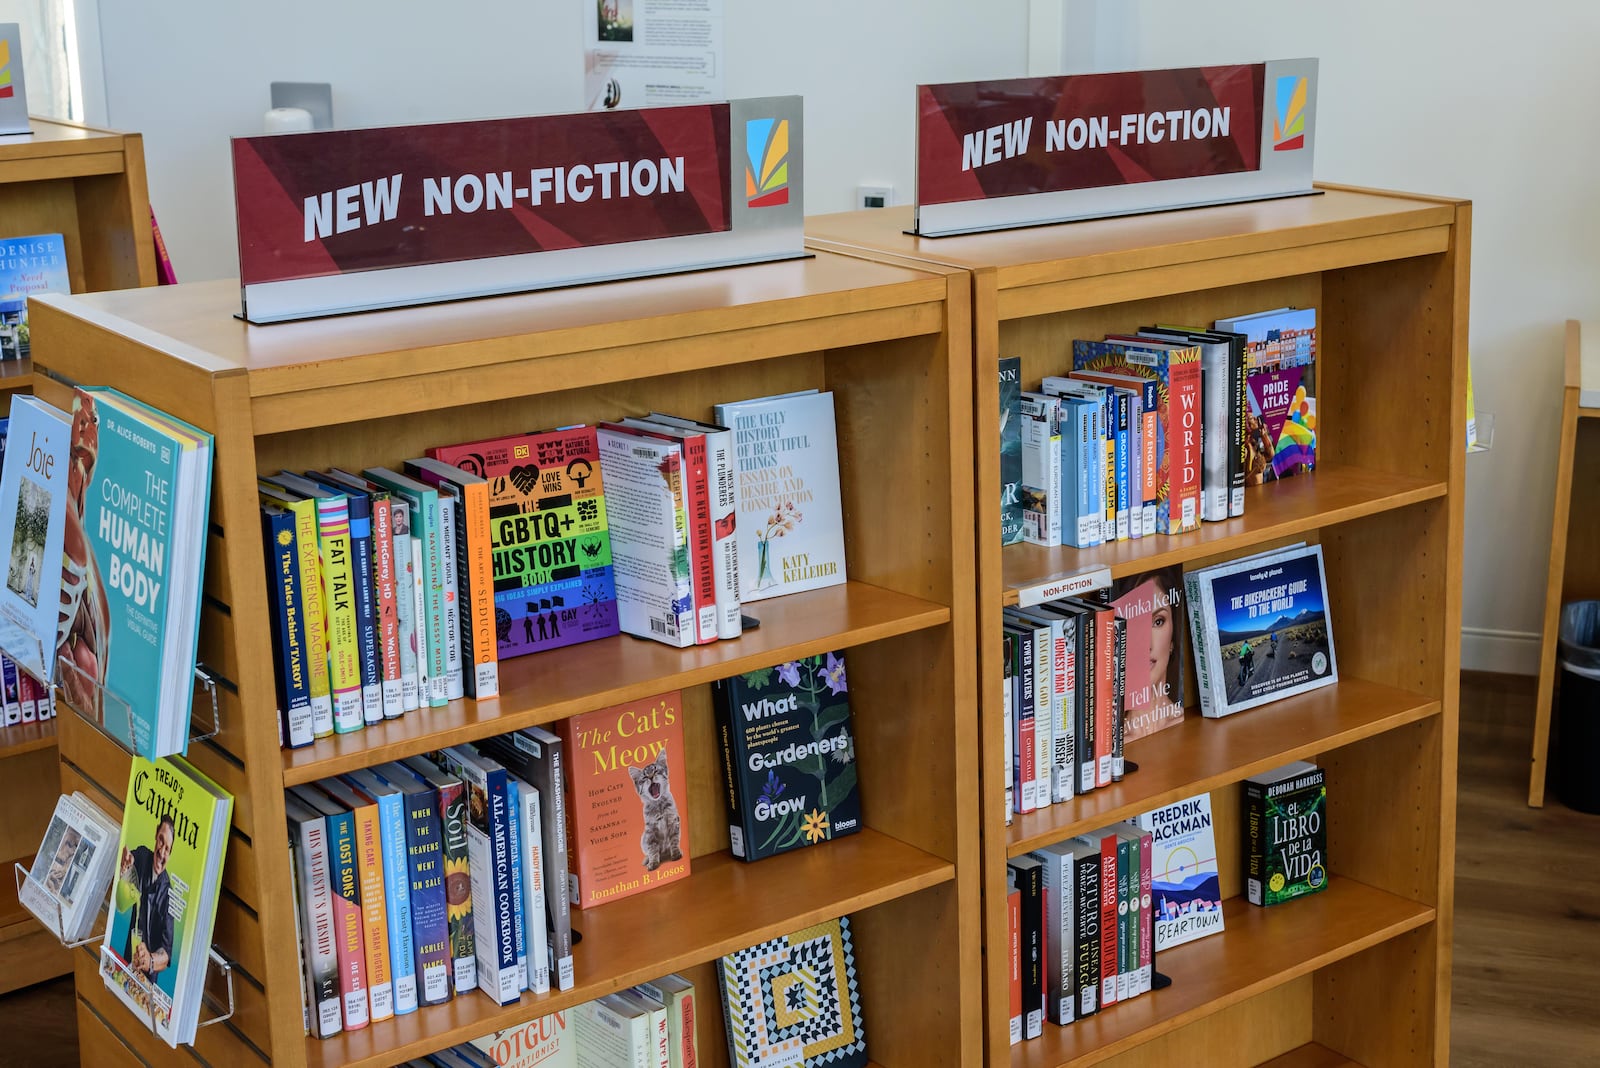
(1281, 392)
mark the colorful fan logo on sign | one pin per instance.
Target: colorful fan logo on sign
(1289, 123)
(5, 69)
(766, 174)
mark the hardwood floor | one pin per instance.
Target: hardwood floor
(1527, 953)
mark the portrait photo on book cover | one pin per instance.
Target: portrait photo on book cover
(143, 924)
(1152, 606)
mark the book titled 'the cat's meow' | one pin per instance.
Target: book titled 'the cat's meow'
(629, 829)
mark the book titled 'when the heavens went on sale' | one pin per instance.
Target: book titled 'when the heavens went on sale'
(164, 894)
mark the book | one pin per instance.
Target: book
(659, 1052)
(309, 572)
(723, 482)
(453, 821)
(1267, 633)
(1152, 606)
(1176, 371)
(492, 869)
(451, 595)
(164, 898)
(649, 536)
(613, 1032)
(374, 896)
(1024, 763)
(386, 579)
(344, 881)
(549, 535)
(791, 520)
(308, 843)
(543, 1042)
(364, 585)
(793, 1000)
(28, 265)
(530, 840)
(1086, 935)
(291, 675)
(34, 493)
(1219, 423)
(1014, 963)
(474, 571)
(430, 918)
(1280, 383)
(697, 512)
(1060, 899)
(519, 931)
(789, 754)
(1010, 450)
(427, 531)
(1029, 876)
(1041, 480)
(1285, 831)
(135, 609)
(683, 1039)
(66, 884)
(626, 833)
(1185, 887)
(537, 757)
(396, 888)
(1009, 664)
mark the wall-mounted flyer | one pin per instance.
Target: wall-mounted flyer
(994, 155)
(351, 220)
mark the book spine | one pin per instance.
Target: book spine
(1238, 392)
(1147, 922)
(1124, 456)
(28, 697)
(1027, 778)
(1119, 689)
(1063, 765)
(458, 882)
(483, 667)
(293, 678)
(722, 478)
(1202, 664)
(493, 924)
(449, 549)
(425, 629)
(533, 892)
(348, 940)
(1014, 922)
(1009, 719)
(1253, 823)
(1136, 463)
(1152, 453)
(502, 859)
(307, 995)
(9, 676)
(405, 584)
(1031, 886)
(397, 902)
(1183, 445)
(315, 630)
(429, 912)
(1067, 722)
(344, 648)
(316, 917)
(740, 830)
(687, 1042)
(1105, 696)
(1043, 717)
(374, 912)
(518, 912)
(1110, 923)
(1060, 994)
(1215, 433)
(1108, 470)
(1127, 918)
(1086, 932)
(370, 652)
(655, 599)
(1083, 713)
(697, 501)
(387, 603)
(1041, 523)
(437, 671)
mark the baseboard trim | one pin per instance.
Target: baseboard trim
(1502, 652)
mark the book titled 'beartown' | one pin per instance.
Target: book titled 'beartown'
(628, 822)
(789, 755)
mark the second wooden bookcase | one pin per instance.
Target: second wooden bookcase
(1359, 974)
(893, 346)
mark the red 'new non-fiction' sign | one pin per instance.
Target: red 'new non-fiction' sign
(978, 140)
(336, 203)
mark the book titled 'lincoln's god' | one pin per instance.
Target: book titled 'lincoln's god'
(789, 755)
(629, 828)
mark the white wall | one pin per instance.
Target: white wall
(1470, 98)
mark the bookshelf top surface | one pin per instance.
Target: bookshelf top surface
(198, 324)
(1078, 248)
(52, 138)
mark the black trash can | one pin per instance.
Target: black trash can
(1577, 747)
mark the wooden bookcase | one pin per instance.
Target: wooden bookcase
(87, 185)
(1359, 974)
(892, 343)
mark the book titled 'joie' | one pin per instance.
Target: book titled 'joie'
(789, 756)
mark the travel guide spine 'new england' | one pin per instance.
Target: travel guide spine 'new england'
(788, 755)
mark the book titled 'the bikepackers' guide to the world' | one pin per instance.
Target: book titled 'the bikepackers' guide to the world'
(164, 894)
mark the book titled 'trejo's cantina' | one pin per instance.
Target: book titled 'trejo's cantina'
(789, 754)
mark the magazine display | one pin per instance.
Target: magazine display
(66, 887)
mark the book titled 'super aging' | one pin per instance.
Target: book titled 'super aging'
(789, 756)
(1285, 825)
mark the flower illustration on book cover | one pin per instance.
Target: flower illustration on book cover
(781, 520)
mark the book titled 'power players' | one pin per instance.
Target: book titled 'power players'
(139, 498)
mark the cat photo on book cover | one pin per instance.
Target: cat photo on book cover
(661, 822)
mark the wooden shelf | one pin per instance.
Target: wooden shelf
(543, 689)
(1202, 754)
(1333, 494)
(724, 905)
(1258, 950)
(12, 912)
(26, 738)
(1310, 1055)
